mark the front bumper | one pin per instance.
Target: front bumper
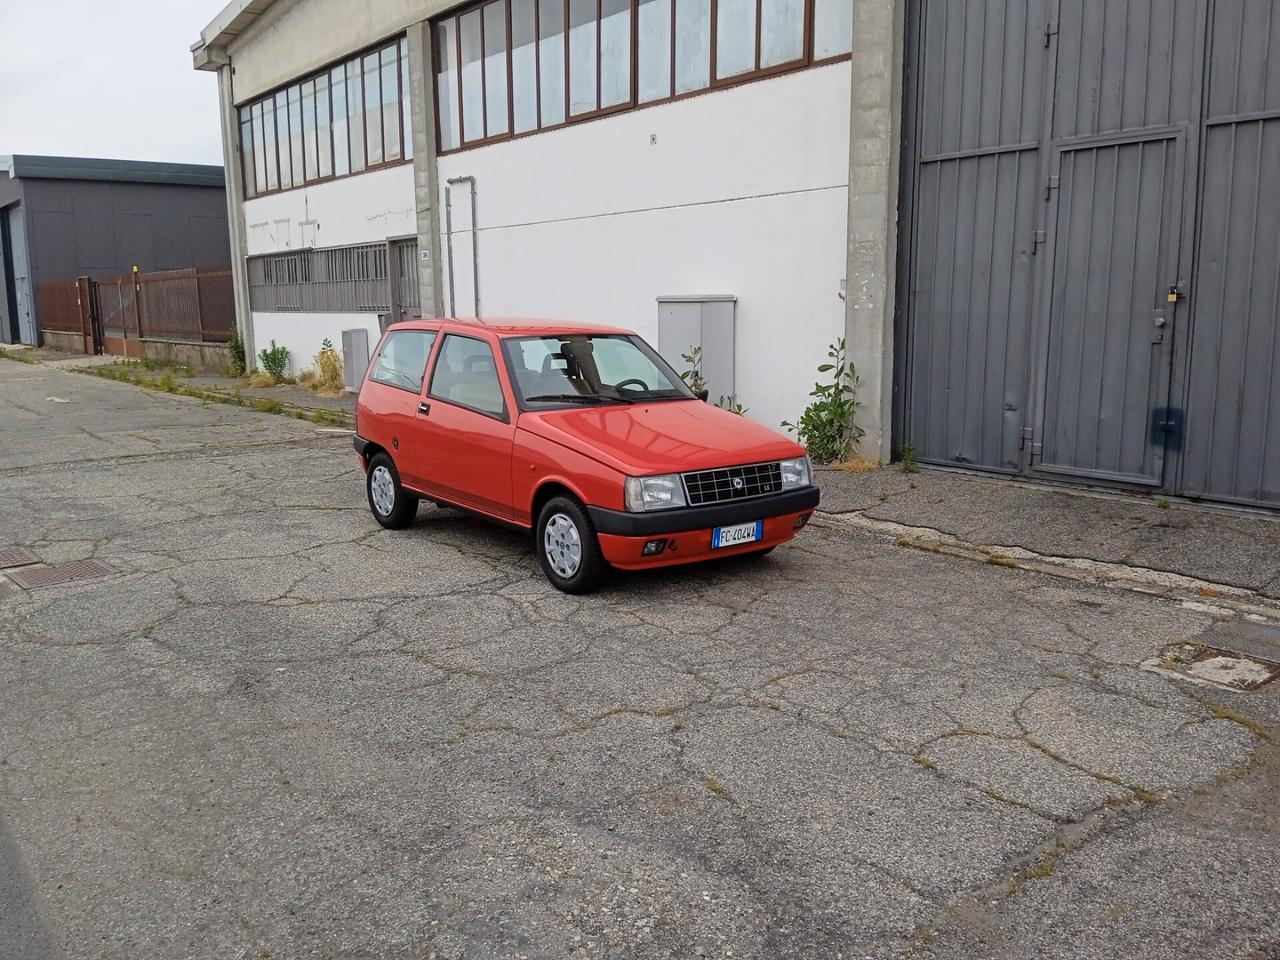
(687, 531)
(623, 523)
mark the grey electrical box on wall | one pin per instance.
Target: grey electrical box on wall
(355, 358)
(700, 321)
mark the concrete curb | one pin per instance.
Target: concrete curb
(1206, 596)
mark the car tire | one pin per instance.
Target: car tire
(391, 504)
(568, 549)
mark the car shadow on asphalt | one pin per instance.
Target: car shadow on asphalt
(22, 932)
(617, 581)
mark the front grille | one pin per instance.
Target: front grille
(732, 483)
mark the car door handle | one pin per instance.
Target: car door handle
(424, 408)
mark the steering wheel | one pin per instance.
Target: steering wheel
(634, 380)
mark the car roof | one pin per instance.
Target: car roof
(512, 326)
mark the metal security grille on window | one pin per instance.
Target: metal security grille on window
(351, 279)
(732, 483)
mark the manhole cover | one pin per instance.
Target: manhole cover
(33, 577)
(16, 557)
(1230, 669)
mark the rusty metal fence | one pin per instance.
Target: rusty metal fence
(195, 305)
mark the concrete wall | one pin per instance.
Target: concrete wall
(366, 208)
(741, 191)
(875, 134)
(212, 357)
(302, 332)
(68, 342)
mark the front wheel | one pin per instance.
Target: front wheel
(392, 505)
(568, 548)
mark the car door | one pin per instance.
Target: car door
(387, 410)
(465, 428)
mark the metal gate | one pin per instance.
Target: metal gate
(1091, 258)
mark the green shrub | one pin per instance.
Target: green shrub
(239, 363)
(826, 428)
(732, 405)
(274, 361)
(693, 375)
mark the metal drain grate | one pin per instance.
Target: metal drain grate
(32, 577)
(16, 557)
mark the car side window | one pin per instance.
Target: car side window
(466, 374)
(402, 361)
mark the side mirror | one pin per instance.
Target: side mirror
(704, 394)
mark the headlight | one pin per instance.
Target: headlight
(795, 473)
(654, 493)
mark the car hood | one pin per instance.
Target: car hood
(663, 437)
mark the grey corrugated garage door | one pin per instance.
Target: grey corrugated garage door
(1092, 254)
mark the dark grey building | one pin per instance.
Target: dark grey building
(62, 218)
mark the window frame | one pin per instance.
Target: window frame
(805, 61)
(498, 370)
(396, 43)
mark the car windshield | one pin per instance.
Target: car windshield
(591, 369)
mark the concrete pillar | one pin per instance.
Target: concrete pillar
(425, 186)
(875, 134)
(231, 163)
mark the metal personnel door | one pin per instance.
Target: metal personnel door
(22, 276)
(1112, 261)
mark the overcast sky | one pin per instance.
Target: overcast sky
(107, 78)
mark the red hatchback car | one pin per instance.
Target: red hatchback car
(582, 434)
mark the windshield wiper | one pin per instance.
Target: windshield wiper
(569, 398)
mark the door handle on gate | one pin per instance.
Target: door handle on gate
(424, 408)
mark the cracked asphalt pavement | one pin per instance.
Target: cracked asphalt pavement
(280, 731)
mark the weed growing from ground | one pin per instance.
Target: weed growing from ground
(907, 462)
(826, 428)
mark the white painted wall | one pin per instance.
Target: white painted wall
(303, 332)
(366, 208)
(741, 191)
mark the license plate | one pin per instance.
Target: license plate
(739, 533)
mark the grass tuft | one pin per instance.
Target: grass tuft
(19, 356)
(1222, 712)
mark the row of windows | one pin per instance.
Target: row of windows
(350, 118)
(508, 67)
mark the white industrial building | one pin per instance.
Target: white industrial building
(680, 167)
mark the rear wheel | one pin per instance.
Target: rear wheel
(392, 505)
(567, 547)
